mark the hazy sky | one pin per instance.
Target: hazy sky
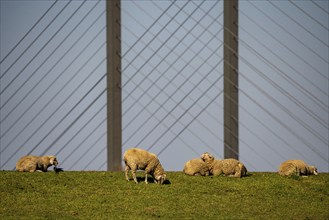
(53, 98)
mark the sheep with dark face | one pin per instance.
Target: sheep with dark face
(139, 159)
(297, 168)
(35, 163)
(227, 167)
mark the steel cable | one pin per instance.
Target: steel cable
(27, 33)
(94, 158)
(209, 72)
(67, 156)
(50, 54)
(296, 118)
(131, 77)
(289, 33)
(177, 88)
(56, 111)
(182, 140)
(300, 25)
(293, 82)
(155, 22)
(72, 137)
(72, 123)
(285, 46)
(186, 126)
(310, 146)
(184, 113)
(67, 128)
(168, 53)
(319, 6)
(57, 78)
(311, 17)
(36, 53)
(283, 91)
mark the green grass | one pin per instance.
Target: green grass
(107, 195)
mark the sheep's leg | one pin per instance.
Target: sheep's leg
(133, 171)
(126, 172)
(146, 177)
(33, 168)
(44, 168)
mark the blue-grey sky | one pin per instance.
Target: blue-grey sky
(53, 88)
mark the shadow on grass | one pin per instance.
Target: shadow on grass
(233, 177)
(151, 180)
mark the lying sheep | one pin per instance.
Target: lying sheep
(207, 158)
(35, 163)
(228, 167)
(139, 159)
(196, 167)
(296, 167)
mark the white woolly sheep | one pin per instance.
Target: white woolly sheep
(296, 167)
(196, 167)
(228, 167)
(35, 163)
(139, 159)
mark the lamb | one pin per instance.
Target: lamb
(196, 167)
(35, 163)
(296, 167)
(139, 159)
(229, 167)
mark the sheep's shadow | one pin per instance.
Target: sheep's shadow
(231, 176)
(248, 175)
(150, 180)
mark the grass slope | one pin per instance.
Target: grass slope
(107, 195)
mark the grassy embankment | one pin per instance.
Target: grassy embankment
(107, 195)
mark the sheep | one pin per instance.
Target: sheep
(35, 163)
(296, 167)
(139, 159)
(229, 167)
(196, 167)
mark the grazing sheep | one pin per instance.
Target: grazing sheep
(139, 159)
(196, 167)
(228, 167)
(296, 167)
(35, 163)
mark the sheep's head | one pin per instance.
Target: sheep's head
(312, 170)
(206, 157)
(53, 160)
(160, 179)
